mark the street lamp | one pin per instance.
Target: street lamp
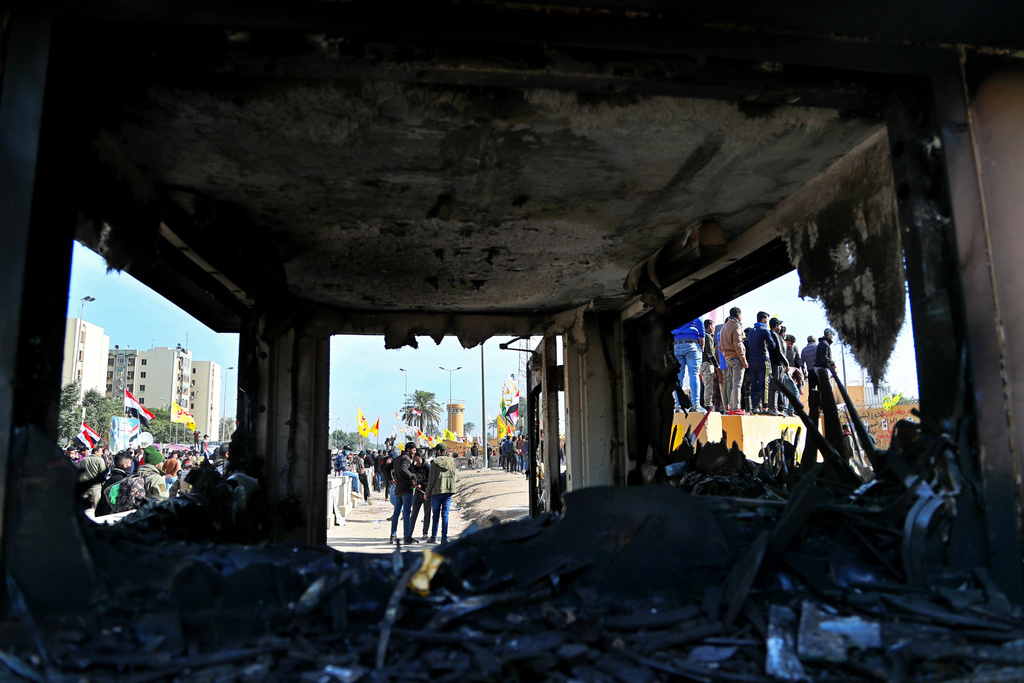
(78, 339)
(406, 383)
(450, 394)
(223, 398)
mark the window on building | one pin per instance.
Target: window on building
(193, 382)
(193, 371)
(131, 360)
(142, 375)
(142, 387)
(81, 356)
(142, 401)
(120, 360)
(143, 361)
(110, 388)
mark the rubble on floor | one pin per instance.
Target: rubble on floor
(806, 577)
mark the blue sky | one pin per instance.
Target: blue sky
(365, 374)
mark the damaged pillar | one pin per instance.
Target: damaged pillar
(549, 422)
(591, 418)
(981, 109)
(284, 403)
(37, 220)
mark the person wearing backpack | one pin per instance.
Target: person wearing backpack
(108, 495)
(440, 487)
(153, 476)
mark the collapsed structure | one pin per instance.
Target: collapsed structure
(599, 173)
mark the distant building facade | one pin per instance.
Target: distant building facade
(85, 355)
(205, 394)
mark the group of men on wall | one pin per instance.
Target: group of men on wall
(730, 369)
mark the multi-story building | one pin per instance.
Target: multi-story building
(155, 376)
(205, 394)
(122, 371)
(85, 355)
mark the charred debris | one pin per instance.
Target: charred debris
(724, 569)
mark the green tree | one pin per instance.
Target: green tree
(468, 428)
(227, 428)
(160, 425)
(69, 422)
(429, 419)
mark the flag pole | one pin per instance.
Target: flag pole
(483, 410)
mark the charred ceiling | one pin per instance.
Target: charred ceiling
(367, 171)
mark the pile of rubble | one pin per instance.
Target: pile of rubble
(789, 572)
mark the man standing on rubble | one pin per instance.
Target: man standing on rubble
(807, 357)
(762, 342)
(823, 357)
(776, 401)
(688, 340)
(708, 363)
(735, 358)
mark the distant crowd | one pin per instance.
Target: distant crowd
(412, 479)
(123, 481)
(730, 368)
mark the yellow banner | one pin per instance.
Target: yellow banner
(361, 424)
(179, 414)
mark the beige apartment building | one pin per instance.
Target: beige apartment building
(85, 355)
(205, 395)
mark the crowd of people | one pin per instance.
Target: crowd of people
(123, 481)
(513, 454)
(730, 368)
(411, 479)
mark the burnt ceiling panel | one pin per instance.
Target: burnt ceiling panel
(450, 197)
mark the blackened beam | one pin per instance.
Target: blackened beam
(898, 51)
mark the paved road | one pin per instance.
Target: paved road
(480, 495)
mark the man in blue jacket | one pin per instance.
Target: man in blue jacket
(688, 343)
(762, 343)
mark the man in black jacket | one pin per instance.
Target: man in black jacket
(121, 469)
(421, 474)
(403, 478)
(823, 358)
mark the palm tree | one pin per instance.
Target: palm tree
(429, 418)
(468, 428)
(493, 425)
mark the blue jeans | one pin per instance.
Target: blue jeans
(688, 354)
(439, 504)
(403, 506)
(760, 371)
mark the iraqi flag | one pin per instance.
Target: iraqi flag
(88, 436)
(133, 408)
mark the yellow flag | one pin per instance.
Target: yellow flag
(501, 427)
(179, 414)
(375, 429)
(450, 435)
(361, 424)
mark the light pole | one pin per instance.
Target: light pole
(406, 395)
(449, 406)
(223, 398)
(78, 339)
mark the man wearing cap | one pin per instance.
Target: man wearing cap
(156, 482)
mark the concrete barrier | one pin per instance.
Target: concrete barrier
(750, 432)
(339, 500)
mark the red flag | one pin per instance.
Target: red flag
(88, 436)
